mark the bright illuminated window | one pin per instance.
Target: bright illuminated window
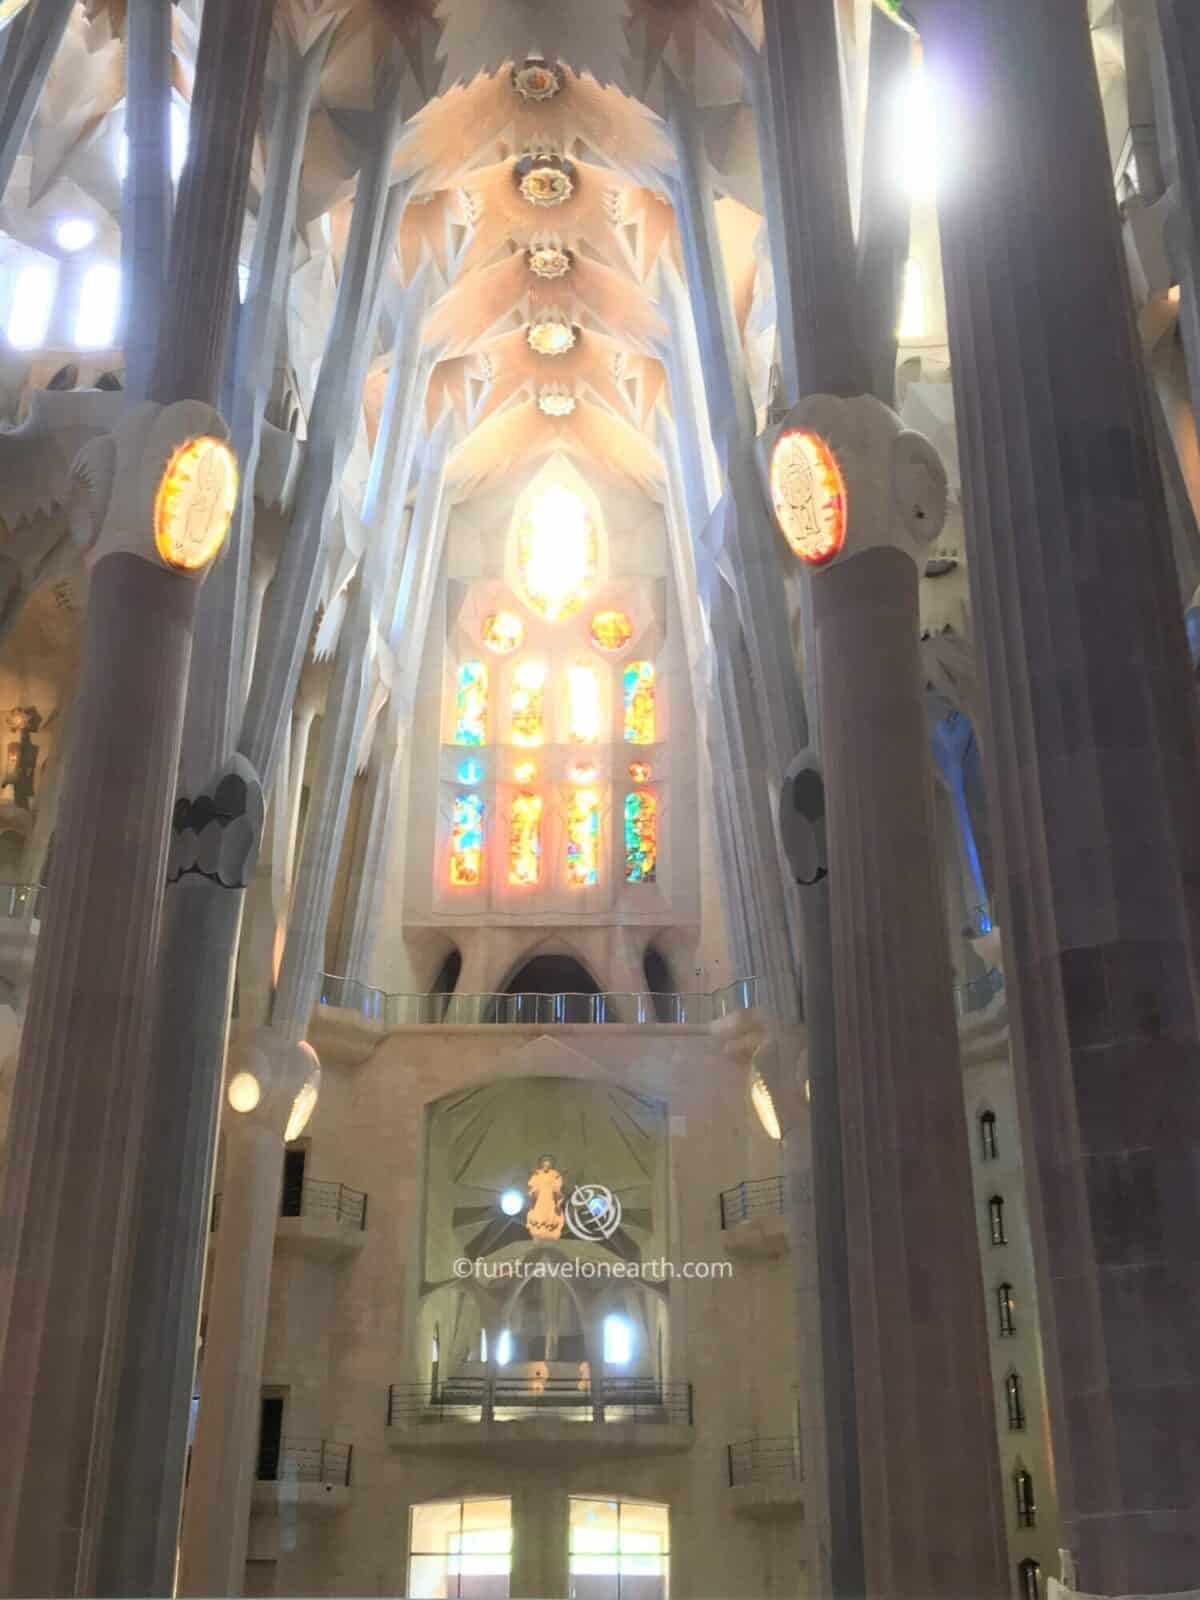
(74, 233)
(611, 630)
(525, 771)
(583, 705)
(618, 1341)
(556, 554)
(639, 702)
(764, 1106)
(470, 725)
(483, 1344)
(529, 686)
(525, 840)
(504, 1347)
(32, 302)
(466, 841)
(619, 1550)
(912, 307)
(460, 1550)
(503, 632)
(583, 838)
(919, 143)
(99, 306)
(641, 837)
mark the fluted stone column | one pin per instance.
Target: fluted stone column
(933, 1515)
(146, 201)
(267, 1075)
(79, 1107)
(1093, 771)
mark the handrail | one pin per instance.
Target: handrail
(508, 1399)
(759, 1197)
(318, 1197)
(764, 1459)
(309, 1461)
(639, 1009)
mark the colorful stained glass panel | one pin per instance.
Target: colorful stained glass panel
(525, 840)
(639, 703)
(529, 683)
(583, 838)
(641, 837)
(466, 841)
(583, 705)
(470, 712)
(611, 630)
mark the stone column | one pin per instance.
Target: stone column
(79, 1108)
(24, 75)
(1093, 771)
(147, 200)
(1180, 29)
(268, 1076)
(933, 1515)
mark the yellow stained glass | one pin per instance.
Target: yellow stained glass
(639, 703)
(639, 771)
(470, 725)
(583, 838)
(583, 705)
(641, 837)
(529, 685)
(525, 771)
(525, 840)
(611, 630)
(503, 632)
(466, 841)
(556, 554)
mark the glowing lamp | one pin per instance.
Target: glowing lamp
(809, 496)
(194, 503)
(503, 632)
(244, 1092)
(512, 1202)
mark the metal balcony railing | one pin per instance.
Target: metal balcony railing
(541, 1010)
(764, 1461)
(761, 1197)
(308, 1461)
(335, 1202)
(613, 1399)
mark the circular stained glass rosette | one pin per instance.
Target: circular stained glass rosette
(611, 630)
(809, 496)
(503, 632)
(639, 771)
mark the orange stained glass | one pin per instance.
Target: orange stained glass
(583, 705)
(639, 771)
(611, 630)
(466, 841)
(525, 840)
(503, 632)
(583, 838)
(529, 685)
(640, 719)
(809, 496)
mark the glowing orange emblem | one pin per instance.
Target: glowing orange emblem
(809, 496)
(194, 503)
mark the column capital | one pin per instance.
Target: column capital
(846, 476)
(161, 486)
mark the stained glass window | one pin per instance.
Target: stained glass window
(556, 554)
(466, 841)
(525, 771)
(525, 840)
(583, 838)
(639, 771)
(611, 630)
(641, 837)
(639, 702)
(529, 682)
(503, 632)
(470, 771)
(470, 725)
(583, 705)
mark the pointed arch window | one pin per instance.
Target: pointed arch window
(583, 838)
(525, 840)
(583, 704)
(1006, 1306)
(996, 1229)
(1014, 1399)
(987, 1136)
(471, 704)
(640, 706)
(1026, 1504)
(466, 841)
(528, 697)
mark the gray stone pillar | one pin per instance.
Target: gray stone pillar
(933, 1515)
(146, 202)
(26, 66)
(1093, 771)
(1180, 29)
(79, 1108)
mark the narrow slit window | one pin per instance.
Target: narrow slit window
(1006, 1307)
(996, 1220)
(641, 837)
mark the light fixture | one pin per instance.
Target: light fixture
(551, 333)
(74, 233)
(244, 1092)
(194, 504)
(555, 400)
(809, 496)
(512, 1202)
